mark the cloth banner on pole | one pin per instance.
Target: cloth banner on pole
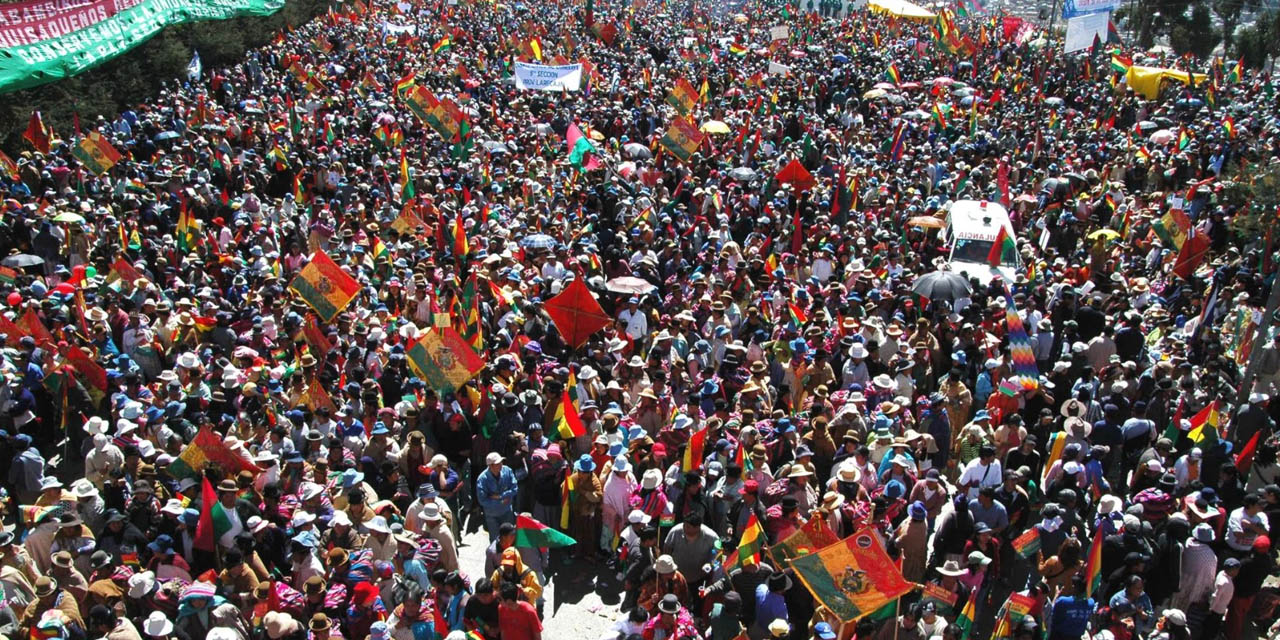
(853, 577)
(1077, 8)
(1083, 30)
(89, 35)
(540, 77)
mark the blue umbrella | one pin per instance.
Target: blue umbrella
(167, 135)
(538, 241)
(840, 57)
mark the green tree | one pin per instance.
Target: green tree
(1260, 40)
(141, 73)
(1229, 11)
(1196, 35)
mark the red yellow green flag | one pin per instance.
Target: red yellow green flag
(208, 447)
(854, 577)
(1207, 417)
(797, 314)
(682, 138)
(809, 538)
(752, 540)
(683, 96)
(694, 452)
(568, 423)
(965, 619)
(443, 359)
(325, 286)
(96, 154)
(8, 166)
(566, 494)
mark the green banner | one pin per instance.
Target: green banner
(49, 60)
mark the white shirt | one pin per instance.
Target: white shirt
(228, 539)
(979, 476)
(637, 323)
(1237, 538)
(1223, 589)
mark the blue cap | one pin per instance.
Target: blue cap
(585, 463)
(162, 544)
(823, 631)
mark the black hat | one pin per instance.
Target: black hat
(779, 582)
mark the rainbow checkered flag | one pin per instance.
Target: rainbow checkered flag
(1024, 359)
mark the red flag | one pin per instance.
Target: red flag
(1002, 244)
(92, 371)
(36, 133)
(576, 313)
(34, 328)
(796, 175)
(204, 527)
(1192, 254)
(1244, 460)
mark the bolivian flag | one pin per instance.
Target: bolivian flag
(893, 75)
(325, 286)
(752, 540)
(693, 452)
(797, 314)
(737, 49)
(8, 166)
(442, 45)
(404, 83)
(1208, 417)
(568, 422)
(406, 184)
(853, 577)
(96, 154)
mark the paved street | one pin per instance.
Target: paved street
(581, 600)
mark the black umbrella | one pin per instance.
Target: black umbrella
(941, 285)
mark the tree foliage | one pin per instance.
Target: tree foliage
(1196, 35)
(1259, 40)
(143, 72)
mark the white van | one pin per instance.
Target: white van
(972, 228)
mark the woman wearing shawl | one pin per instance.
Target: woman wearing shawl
(415, 617)
(200, 609)
(366, 608)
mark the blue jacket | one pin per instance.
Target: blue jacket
(1071, 616)
(504, 487)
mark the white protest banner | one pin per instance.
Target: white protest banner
(398, 29)
(779, 33)
(1075, 8)
(1082, 30)
(539, 77)
(776, 69)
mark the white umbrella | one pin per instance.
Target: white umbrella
(1163, 136)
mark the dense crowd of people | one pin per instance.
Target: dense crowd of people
(199, 452)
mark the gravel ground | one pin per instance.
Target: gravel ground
(581, 598)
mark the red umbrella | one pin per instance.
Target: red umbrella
(576, 313)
